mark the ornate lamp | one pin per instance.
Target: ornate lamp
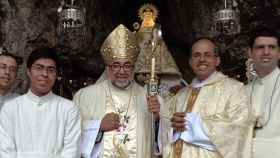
(227, 20)
(71, 17)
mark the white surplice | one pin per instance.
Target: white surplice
(40, 127)
(265, 100)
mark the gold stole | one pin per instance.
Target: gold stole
(178, 145)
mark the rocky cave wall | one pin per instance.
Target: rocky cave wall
(28, 24)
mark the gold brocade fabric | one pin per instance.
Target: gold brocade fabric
(223, 106)
(117, 142)
(120, 44)
(165, 63)
(178, 146)
(94, 102)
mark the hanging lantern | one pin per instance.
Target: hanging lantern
(71, 18)
(227, 20)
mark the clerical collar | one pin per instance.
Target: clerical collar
(270, 77)
(38, 99)
(198, 83)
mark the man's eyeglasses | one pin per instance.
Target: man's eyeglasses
(125, 67)
(6, 67)
(41, 68)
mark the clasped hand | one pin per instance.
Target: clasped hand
(178, 121)
(110, 121)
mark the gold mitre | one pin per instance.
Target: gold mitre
(120, 44)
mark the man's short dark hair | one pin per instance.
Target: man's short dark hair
(42, 53)
(264, 32)
(4, 52)
(216, 50)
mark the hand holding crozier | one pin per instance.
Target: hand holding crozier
(153, 105)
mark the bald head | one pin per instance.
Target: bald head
(204, 58)
(205, 42)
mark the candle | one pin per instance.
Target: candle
(153, 65)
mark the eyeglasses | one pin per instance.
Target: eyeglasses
(117, 67)
(6, 67)
(41, 68)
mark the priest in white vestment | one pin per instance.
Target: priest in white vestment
(264, 91)
(9, 64)
(40, 124)
(115, 115)
(209, 119)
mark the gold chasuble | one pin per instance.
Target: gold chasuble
(222, 105)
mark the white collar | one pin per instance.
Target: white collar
(38, 99)
(198, 83)
(270, 77)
